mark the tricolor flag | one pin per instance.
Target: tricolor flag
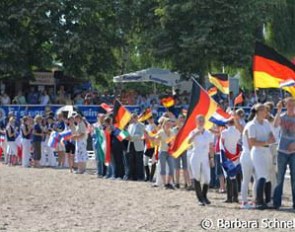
(200, 104)
(106, 107)
(121, 134)
(121, 115)
(168, 102)
(230, 162)
(220, 80)
(145, 115)
(103, 145)
(220, 117)
(287, 83)
(2, 138)
(54, 139)
(66, 135)
(212, 91)
(239, 99)
(270, 69)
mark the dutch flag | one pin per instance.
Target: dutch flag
(287, 83)
(220, 117)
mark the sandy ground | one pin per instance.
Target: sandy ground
(55, 200)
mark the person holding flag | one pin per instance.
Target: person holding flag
(69, 142)
(135, 148)
(149, 150)
(202, 141)
(230, 154)
(26, 133)
(182, 159)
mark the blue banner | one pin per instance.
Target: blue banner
(89, 112)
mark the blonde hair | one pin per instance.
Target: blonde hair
(37, 117)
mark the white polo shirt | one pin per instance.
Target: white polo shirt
(231, 136)
(201, 143)
(259, 131)
(245, 144)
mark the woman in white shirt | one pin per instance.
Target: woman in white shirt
(202, 141)
(260, 138)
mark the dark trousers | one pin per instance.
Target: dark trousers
(136, 164)
(117, 155)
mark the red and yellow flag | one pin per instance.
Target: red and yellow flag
(221, 81)
(145, 115)
(212, 91)
(168, 102)
(121, 115)
(270, 68)
(239, 99)
(200, 103)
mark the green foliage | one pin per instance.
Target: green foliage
(98, 39)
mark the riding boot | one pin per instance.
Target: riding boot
(147, 173)
(260, 204)
(153, 170)
(235, 190)
(267, 192)
(205, 191)
(229, 191)
(199, 193)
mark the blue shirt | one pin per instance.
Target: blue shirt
(287, 133)
(37, 129)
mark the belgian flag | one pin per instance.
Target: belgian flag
(121, 115)
(270, 68)
(221, 81)
(200, 103)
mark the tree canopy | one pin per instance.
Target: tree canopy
(96, 39)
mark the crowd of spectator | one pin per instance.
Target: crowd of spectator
(127, 97)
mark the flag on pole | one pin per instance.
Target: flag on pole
(239, 99)
(200, 104)
(103, 145)
(168, 102)
(212, 91)
(220, 80)
(145, 115)
(287, 83)
(121, 115)
(106, 107)
(270, 69)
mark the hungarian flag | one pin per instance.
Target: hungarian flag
(239, 99)
(121, 115)
(145, 115)
(270, 69)
(106, 107)
(168, 102)
(103, 145)
(200, 104)
(212, 91)
(121, 134)
(220, 80)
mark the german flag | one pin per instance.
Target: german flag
(121, 115)
(145, 115)
(221, 81)
(168, 102)
(212, 91)
(200, 103)
(270, 68)
(239, 99)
